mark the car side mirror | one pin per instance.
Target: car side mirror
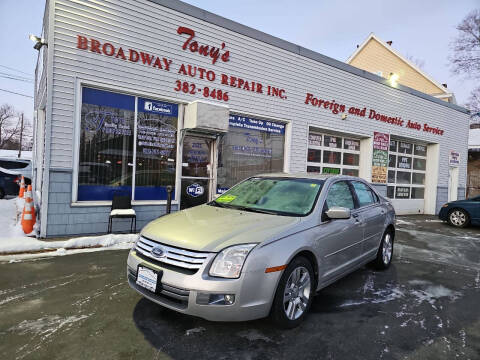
(337, 212)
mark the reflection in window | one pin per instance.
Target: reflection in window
(418, 192)
(418, 178)
(340, 195)
(364, 193)
(313, 169)
(419, 164)
(420, 150)
(350, 172)
(314, 155)
(106, 145)
(403, 177)
(392, 159)
(248, 152)
(351, 159)
(156, 149)
(391, 176)
(332, 157)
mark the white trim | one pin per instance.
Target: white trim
(109, 203)
(408, 62)
(48, 117)
(76, 137)
(134, 155)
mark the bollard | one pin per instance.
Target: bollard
(169, 198)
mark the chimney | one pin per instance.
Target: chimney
(444, 85)
(390, 42)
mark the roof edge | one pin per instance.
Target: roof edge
(234, 26)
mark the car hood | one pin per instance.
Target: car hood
(209, 228)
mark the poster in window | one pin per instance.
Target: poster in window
(314, 139)
(381, 143)
(402, 192)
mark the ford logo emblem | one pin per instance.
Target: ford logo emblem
(158, 252)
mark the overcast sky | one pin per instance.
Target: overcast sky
(421, 29)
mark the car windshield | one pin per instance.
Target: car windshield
(278, 196)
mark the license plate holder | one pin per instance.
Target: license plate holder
(149, 279)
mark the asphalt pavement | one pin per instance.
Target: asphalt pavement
(425, 306)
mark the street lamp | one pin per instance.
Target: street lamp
(39, 42)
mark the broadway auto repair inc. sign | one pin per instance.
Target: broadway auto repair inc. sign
(221, 82)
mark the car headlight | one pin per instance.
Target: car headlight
(229, 262)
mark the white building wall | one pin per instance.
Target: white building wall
(147, 26)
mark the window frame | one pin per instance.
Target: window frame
(77, 135)
(411, 171)
(322, 148)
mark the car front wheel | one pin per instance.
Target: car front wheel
(294, 294)
(458, 218)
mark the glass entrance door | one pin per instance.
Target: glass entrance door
(197, 170)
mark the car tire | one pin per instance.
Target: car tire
(294, 294)
(2, 193)
(458, 218)
(385, 251)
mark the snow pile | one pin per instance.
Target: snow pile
(13, 240)
(474, 138)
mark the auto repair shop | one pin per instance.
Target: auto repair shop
(134, 96)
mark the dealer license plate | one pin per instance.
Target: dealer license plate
(148, 278)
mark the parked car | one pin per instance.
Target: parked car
(461, 213)
(20, 167)
(8, 184)
(264, 247)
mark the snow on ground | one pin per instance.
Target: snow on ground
(13, 240)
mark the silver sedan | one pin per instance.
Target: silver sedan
(263, 248)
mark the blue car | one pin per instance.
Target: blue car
(8, 184)
(461, 213)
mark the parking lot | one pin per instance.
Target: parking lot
(425, 306)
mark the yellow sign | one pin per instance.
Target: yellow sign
(226, 198)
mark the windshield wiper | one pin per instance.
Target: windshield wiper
(214, 203)
(246, 208)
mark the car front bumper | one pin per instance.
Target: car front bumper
(254, 291)
(443, 214)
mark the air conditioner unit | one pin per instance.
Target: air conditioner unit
(205, 117)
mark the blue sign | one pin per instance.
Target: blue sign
(157, 107)
(256, 124)
(195, 190)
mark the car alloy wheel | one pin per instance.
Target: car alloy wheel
(387, 249)
(297, 293)
(458, 218)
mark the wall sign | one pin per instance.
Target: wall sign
(256, 124)
(454, 158)
(381, 142)
(402, 192)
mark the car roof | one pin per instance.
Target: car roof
(305, 175)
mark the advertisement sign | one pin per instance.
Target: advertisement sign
(454, 158)
(256, 124)
(381, 143)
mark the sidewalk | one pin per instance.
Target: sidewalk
(14, 244)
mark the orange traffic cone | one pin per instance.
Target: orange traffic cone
(22, 188)
(28, 215)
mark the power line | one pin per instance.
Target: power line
(16, 78)
(20, 71)
(13, 92)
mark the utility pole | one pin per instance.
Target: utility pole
(21, 136)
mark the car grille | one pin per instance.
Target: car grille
(186, 259)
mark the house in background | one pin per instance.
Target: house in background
(379, 57)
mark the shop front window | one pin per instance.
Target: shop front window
(328, 154)
(109, 152)
(106, 145)
(406, 170)
(251, 147)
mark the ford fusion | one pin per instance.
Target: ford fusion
(263, 248)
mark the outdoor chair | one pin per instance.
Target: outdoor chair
(122, 208)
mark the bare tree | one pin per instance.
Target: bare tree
(11, 129)
(419, 62)
(466, 46)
